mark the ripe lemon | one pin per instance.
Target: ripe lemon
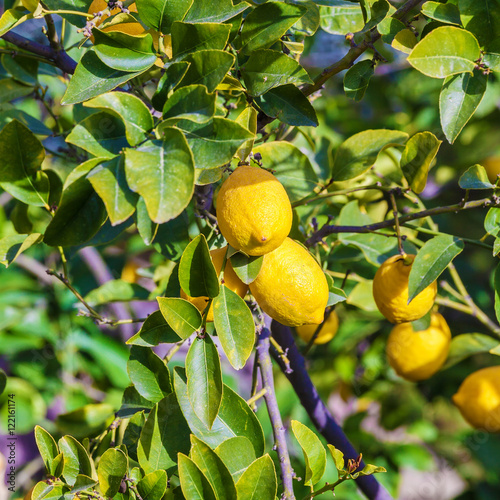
(129, 28)
(478, 399)
(419, 355)
(253, 211)
(291, 287)
(390, 291)
(327, 332)
(231, 280)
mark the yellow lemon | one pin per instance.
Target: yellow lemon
(390, 291)
(129, 28)
(419, 355)
(253, 211)
(231, 280)
(327, 332)
(291, 287)
(478, 399)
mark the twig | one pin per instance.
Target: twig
(318, 412)
(396, 220)
(256, 397)
(266, 371)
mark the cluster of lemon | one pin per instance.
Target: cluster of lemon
(417, 355)
(255, 217)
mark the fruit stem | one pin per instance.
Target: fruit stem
(395, 213)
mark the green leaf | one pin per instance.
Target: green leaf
(190, 103)
(197, 274)
(155, 330)
(235, 417)
(108, 180)
(36, 126)
(47, 446)
(213, 468)
(181, 315)
(92, 78)
(445, 51)
(497, 292)
(481, 19)
(204, 379)
(132, 404)
(116, 291)
(13, 246)
(314, 452)
(79, 216)
(259, 481)
(164, 435)
(338, 457)
(76, 459)
(458, 101)
(358, 153)
(467, 344)
(83, 483)
(289, 105)
(368, 471)
(357, 78)
(389, 28)
(21, 155)
(132, 432)
(418, 154)
(187, 37)
(237, 453)
(124, 52)
(204, 12)
(86, 420)
(444, 12)
(194, 484)
(174, 73)
(235, 327)
(335, 295)
(10, 90)
(160, 14)
(149, 374)
(12, 18)
(266, 69)
(491, 58)
(23, 69)
(475, 177)
(268, 23)
(172, 238)
(432, 259)
(207, 67)
(46, 491)
(246, 267)
(248, 120)
(3, 384)
(492, 221)
(162, 172)
(153, 485)
(291, 166)
(74, 5)
(136, 117)
(214, 143)
(422, 323)
(342, 18)
(113, 466)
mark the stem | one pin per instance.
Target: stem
(256, 396)
(64, 262)
(172, 351)
(266, 371)
(398, 231)
(72, 12)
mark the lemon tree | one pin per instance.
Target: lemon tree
(219, 221)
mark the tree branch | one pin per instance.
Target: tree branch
(266, 371)
(330, 228)
(59, 57)
(318, 412)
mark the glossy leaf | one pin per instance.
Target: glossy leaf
(267, 23)
(314, 452)
(291, 166)
(174, 73)
(36, 126)
(162, 172)
(109, 182)
(204, 12)
(235, 327)
(492, 221)
(155, 330)
(213, 468)
(357, 78)
(47, 447)
(160, 14)
(345, 17)
(444, 12)
(266, 69)
(246, 267)
(389, 28)
(112, 468)
(248, 120)
(458, 101)
(124, 52)
(76, 459)
(153, 485)
(45, 491)
(204, 376)
(417, 157)
(181, 315)
(197, 274)
(12, 18)
(289, 105)
(164, 434)
(82, 483)
(194, 484)
(475, 177)
(190, 103)
(13, 246)
(358, 153)
(496, 285)
(92, 78)
(432, 259)
(132, 404)
(235, 417)
(481, 19)
(116, 291)
(134, 113)
(21, 155)
(188, 37)
(10, 90)
(259, 481)
(149, 374)
(237, 453)
(88, 419)
(445, 51)
(338, 457)
(467, 344)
